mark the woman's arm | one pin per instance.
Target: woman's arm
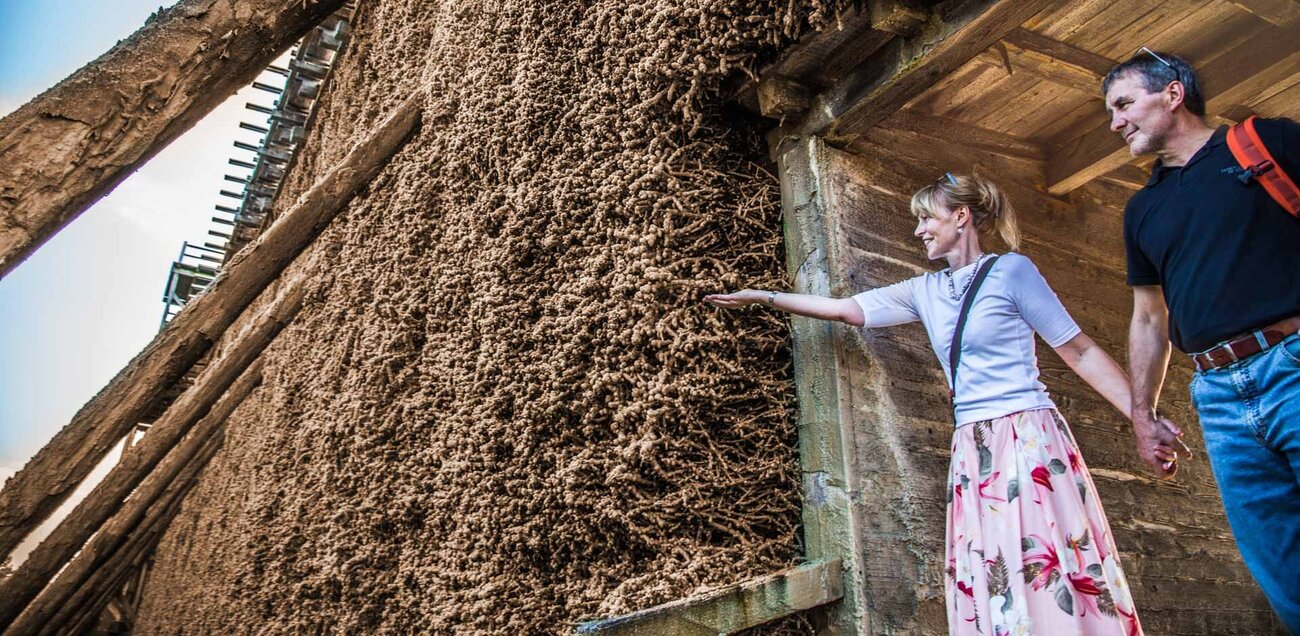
(1099, 370)
(844, 310)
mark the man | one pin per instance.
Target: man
(1214, 264)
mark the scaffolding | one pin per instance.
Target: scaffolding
(283, 133)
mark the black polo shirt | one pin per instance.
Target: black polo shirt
(1226, 254)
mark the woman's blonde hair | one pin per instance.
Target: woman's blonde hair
(989, 207)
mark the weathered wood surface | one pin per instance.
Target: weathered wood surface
(906, 67)
(821, 57)
(52, 605)
(960, 132)
(84, 609)
(733, 608)
(1279, 12)
(74, 143)
(107, 497)
(1051, 60)
(35, 491)
(828, 518)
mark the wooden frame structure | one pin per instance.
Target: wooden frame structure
(929, 70)
(132, 505)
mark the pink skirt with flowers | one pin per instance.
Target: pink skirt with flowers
(1029, 550)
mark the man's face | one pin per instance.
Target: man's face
(1142, 118)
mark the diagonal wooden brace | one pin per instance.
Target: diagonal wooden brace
(30, 496)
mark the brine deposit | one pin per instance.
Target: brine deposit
(504, 408)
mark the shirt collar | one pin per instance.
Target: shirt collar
(1217, 139)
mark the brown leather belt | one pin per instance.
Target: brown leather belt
(1247, 345)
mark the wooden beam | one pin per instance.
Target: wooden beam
(1282, 13)
(1053, 61)
(35, 491)
(900, 17)
(49, 607)
(905, 67)
(90, 514)
(780, 96)
(965, 134)
(820, 57)
(1128, 176)
(84, 609)
(74, 143)
(733, 608)
(1229, 80)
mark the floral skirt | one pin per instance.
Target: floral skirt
(1029, 550)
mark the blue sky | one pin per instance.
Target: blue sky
(86, 302)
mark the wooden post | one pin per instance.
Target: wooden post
(35, 491)
(75, 142)
(91, 513)
(161, 484)
(83, 610)
(103, 585)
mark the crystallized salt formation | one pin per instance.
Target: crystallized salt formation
(504, 408)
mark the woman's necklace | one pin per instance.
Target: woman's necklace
(952, 287)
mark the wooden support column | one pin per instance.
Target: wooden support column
(74, 143)
(91, 513)
(829, 525)
(51, 606)
(35, 491)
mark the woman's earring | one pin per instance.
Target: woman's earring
(960, 228)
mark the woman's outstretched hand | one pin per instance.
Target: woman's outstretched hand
(736, 300)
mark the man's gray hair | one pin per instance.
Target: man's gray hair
(1156, 70)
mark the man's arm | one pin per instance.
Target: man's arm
(1148, 358)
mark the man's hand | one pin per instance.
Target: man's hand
(1160, 445)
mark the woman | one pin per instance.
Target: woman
(1029, 550)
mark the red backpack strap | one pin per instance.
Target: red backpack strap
(1249, 150)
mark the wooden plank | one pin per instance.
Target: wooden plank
(1229, 80)
(828, 52)
(735, 607)
(1063, 19)
(74, 143)
(90, 514)
(905, 68)
(1129, 176)
(34, 492)
(163, 480)
(1053, 61)
(1119, 31)
(952, 94)
(1283, 13)
(964, 134)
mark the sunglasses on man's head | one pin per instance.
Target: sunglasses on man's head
(1142, 49)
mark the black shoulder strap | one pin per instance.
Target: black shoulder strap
(954, 353)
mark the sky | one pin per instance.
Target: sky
(75, 312)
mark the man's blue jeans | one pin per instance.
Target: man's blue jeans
(1250, 414)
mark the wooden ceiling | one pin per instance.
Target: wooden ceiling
(1023, 76)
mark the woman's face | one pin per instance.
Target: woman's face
(938, 232)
